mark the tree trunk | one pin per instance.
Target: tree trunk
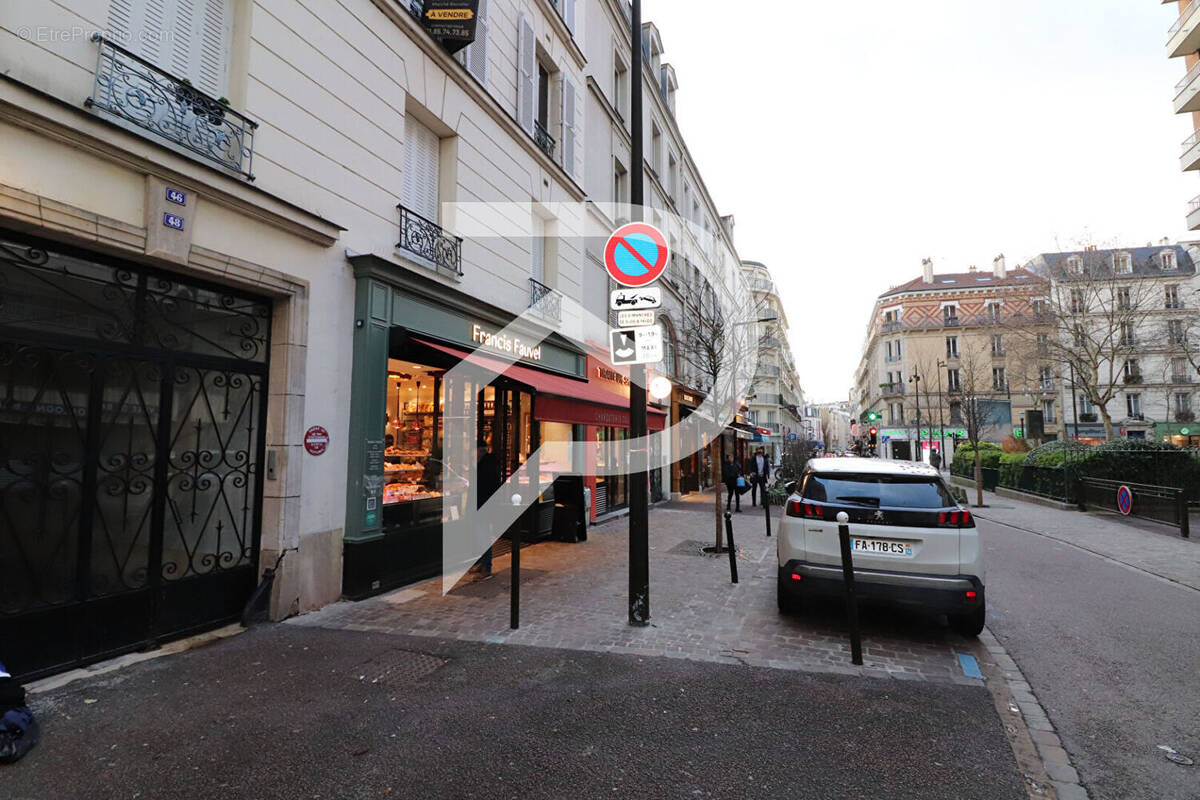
(978, 477)
(1108, 434)
(716, 446)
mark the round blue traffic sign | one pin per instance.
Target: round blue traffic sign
(1124, 500)
(636, 254)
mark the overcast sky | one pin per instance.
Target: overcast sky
(851, 140)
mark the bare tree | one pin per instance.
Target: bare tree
(976, 388)
(1095, 310)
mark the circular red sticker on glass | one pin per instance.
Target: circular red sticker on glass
(316, 439)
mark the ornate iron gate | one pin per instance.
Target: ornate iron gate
(132, 408)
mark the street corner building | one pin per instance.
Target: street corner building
(235, 276)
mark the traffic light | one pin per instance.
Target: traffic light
(873, 433)
(872, 417)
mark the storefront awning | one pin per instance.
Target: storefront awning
(561, 399)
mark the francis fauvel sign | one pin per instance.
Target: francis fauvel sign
(503, 343)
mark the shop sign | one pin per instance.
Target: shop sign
(451, 19)
(316, 439)
(606, 374)
(503, 343)
(898, 433)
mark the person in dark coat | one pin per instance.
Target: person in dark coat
(487, 480)
(730, 472)
(935, 458)
(758, 470)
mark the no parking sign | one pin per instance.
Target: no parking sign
(636, 254)
(1124, 500)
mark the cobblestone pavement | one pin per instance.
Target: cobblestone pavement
(575, 596)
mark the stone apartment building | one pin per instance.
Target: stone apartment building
(775, 402)
(940, 337)
(238, 255)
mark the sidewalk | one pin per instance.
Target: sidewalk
(575, 596)
(1156, 549)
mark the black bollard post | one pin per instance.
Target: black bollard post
(848, 577)
(514, 607)
(766, 507)
(732, 550)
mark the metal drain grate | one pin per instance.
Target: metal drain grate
(397, 668)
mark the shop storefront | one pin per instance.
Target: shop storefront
(689, 468)
(1180, 434)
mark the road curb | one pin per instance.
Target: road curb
(1044, 763)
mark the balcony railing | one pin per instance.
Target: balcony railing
(1183, 16)
(1046, 386)
(1190, 142)
(544, 301)
(950, 322)
(132, 89)
(427, 239)
(1194, 203)
(890, 327)
(543, 138)
(1181, 378)
(1187, 79)
(892, 389)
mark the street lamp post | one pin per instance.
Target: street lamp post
(639, 495)
(916, 381)
(941, 419)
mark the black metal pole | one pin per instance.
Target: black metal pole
(941, 419)
(514, 604)
(639, 512)
(848, 579)
(1074, 406)
(733, 576)
(766, 501)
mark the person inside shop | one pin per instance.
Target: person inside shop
(487, 481)
(758, 469)
(730, 473)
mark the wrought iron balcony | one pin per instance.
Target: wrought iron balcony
(427, 239)
(543, 138)
(892, 389)
(135, 91)
(1181, 378)
(545, 302)
(890, 327)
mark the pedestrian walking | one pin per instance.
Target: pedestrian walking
(935, 458)
(731, 473)
(758, 470)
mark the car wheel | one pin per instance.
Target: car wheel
(969, 625)
(788, 602)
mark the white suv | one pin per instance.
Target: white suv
(912, 544)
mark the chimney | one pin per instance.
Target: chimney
(999, 267)
(1166, 241)
(972, 268)
(927, 269)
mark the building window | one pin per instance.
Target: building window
(656, 149)
(1127, 334)
(1085, 405)
(475, 56)
(1183, 403)
(1133, 405)
(1046, 378)
(672, 176)
(1123, 302)
(620, 71)
(1173, 297)
(419, 187)
(619, 185)
(1167, 259)
(1080, 338)
(1040, 308)
(994, 312)
(999, 381)
(956, 417)
(1179, 370)
(1048, 411)
(1132, 370)
(1078, 302)
(1043, 343)
(1123, 263)
(997, 344)
(1075, 264)
(953, 380)
(1175, 332)
(187, 38)
(895, 413)
(950, 314)
(951, 347)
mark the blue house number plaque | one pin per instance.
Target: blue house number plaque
(176, 196)
(173, 221)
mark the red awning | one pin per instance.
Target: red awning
(575, 401)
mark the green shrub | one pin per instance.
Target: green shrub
(1052, 454)
(1011, 466)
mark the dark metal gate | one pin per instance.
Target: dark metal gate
(132, 405)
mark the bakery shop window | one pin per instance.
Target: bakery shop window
(412, 488)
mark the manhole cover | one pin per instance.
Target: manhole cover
(398, 668)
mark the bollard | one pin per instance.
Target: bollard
(766, 507)
(514, 596)
(732, 554)
(848, 577)
(1184, 528)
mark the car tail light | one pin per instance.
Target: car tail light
(796, 576)
(959, 518)
(803, 508)
(972, 595)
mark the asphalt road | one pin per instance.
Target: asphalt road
(1113, 655)
(294, 712)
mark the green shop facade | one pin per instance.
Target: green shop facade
(410, 331)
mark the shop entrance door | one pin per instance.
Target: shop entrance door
(131, 438)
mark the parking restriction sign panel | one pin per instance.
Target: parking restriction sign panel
(636, 254)
(636, 345)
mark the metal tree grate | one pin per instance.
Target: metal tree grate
(398, 668)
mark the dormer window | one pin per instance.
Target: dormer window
(1122, 263)
(1167, 259)
(1075, 264)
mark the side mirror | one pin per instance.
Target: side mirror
(790, 488)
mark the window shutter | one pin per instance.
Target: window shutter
(475, 55)
(187, 38)
(419, 191)
(214, 33)
(569, 15)
(525, 73)
(568, 126)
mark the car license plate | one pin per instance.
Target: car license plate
(884, 546)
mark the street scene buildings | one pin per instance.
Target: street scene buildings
(390, 405)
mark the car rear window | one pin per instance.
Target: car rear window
(895, 491)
